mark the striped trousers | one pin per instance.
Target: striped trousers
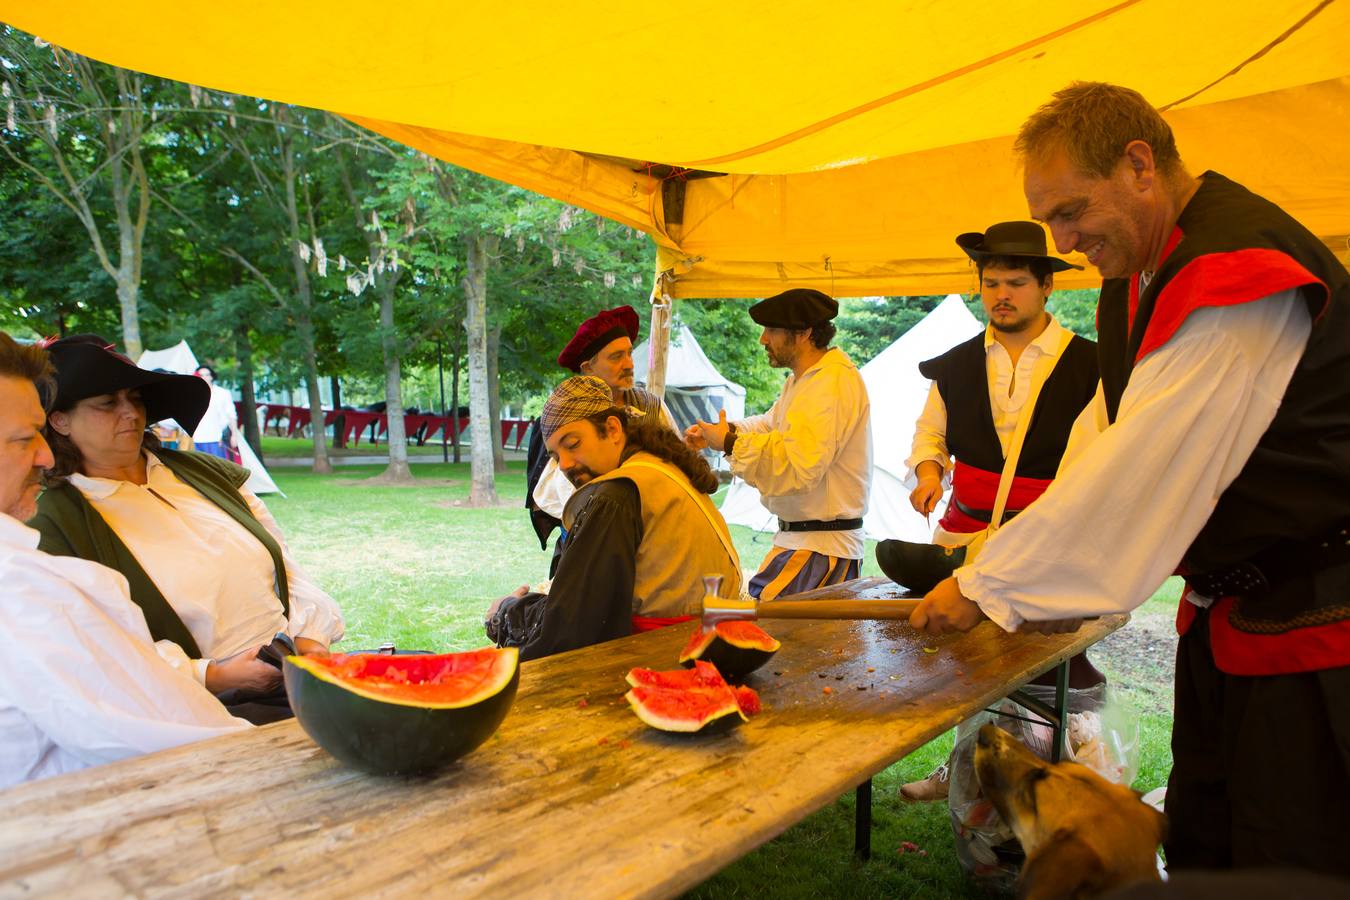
(793, 571)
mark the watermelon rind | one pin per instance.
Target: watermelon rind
(379, 733)
(655, 692)
(719, 718)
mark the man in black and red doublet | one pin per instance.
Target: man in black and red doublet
(960, 377)
(1263, 667)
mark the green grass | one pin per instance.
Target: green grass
(411, 566)
(275, 447)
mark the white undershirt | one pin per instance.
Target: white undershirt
(80, 682)
(1130, 498)
(930, 431)
(215, 574)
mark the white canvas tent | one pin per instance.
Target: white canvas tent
(897, 392)
(180, 358)
(694, 387)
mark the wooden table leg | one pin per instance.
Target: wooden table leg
(862, 821)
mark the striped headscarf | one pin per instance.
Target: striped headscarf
(577, 398)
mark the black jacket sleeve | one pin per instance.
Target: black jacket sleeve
(591, 598)
(536, 458)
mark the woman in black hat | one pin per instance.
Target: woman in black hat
(204, 559)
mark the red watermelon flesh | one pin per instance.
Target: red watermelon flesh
(736, 647)
(747, 700)
(684, 700)
(447, 679)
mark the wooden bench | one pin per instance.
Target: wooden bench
(572, 797)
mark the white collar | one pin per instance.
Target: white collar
(103, 488)
(1047, 341)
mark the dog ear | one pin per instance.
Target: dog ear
(1063, 866)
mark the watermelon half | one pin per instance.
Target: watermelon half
(736, 647)
(690, 701)
(402, 715)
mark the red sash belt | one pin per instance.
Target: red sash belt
(1309, 649)
(651, 623)
(978, 489)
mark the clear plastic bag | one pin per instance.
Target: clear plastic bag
(1102, 733)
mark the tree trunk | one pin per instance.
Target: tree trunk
(484, 489)
(304, 321)
(454, 402)
(494, 343)
(127, 292)
(397, 472)
(243, 349)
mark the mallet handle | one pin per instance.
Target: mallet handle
(837, 609)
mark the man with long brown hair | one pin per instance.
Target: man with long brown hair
(80, 681)
(642, 529)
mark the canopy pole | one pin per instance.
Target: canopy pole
(658, 341)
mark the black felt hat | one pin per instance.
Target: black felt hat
(1010, 239)
(87, 366)
(798, 309)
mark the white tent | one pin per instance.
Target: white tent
(694, 387)
(180, 358)
(897, 392)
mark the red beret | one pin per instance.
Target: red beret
(597, 331)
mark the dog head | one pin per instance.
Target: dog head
(1082, 834)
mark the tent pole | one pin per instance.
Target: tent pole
(659, 339)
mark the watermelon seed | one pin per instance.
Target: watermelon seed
(821, 674)
(862, 687)
(839, 678)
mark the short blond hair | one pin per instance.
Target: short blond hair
(28, 362)
(1093, 122)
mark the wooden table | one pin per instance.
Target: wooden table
(572, 797)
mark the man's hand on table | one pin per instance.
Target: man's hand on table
(945, 609)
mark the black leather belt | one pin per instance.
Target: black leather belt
(983, 515)
(817, 525)
(1273, 566)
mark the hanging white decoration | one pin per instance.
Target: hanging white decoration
(609, 279)
(578, 266)
(637, 281)
(195, 95)
(393, 260)
(320, 258)
(303, 249)
(342, 263)
(557, 258)
(565, 219)
(520, 243)
(51, 121)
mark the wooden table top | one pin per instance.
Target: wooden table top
(572, 797)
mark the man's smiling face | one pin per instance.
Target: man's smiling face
(1105, 219)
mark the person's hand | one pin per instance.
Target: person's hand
(946, 609)
(307, 647)
(243, 672)
(714, 434)
(497, 604)
(1050, 626)
(693, 438)
(925, 497)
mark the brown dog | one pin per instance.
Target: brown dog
(1082, 834)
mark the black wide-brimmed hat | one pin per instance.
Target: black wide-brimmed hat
(797, 309)
(1010, 239)
(88, 366)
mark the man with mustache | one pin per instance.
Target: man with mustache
(603, 347)
(642, 530)
(80, 680)
(810, 455)
(979, 393)
(1218, 446)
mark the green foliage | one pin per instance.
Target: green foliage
(868, 325)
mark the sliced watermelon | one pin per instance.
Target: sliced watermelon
(736, 647)
(687, 701)
(747, 700)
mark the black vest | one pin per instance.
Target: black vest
(1295, 487)
(962, 381)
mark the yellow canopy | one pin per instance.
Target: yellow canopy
(850, 142)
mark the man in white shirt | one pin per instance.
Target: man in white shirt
(810, 455)
(979, 393)
(80, 680)
(1217, 444)
(219, 419)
